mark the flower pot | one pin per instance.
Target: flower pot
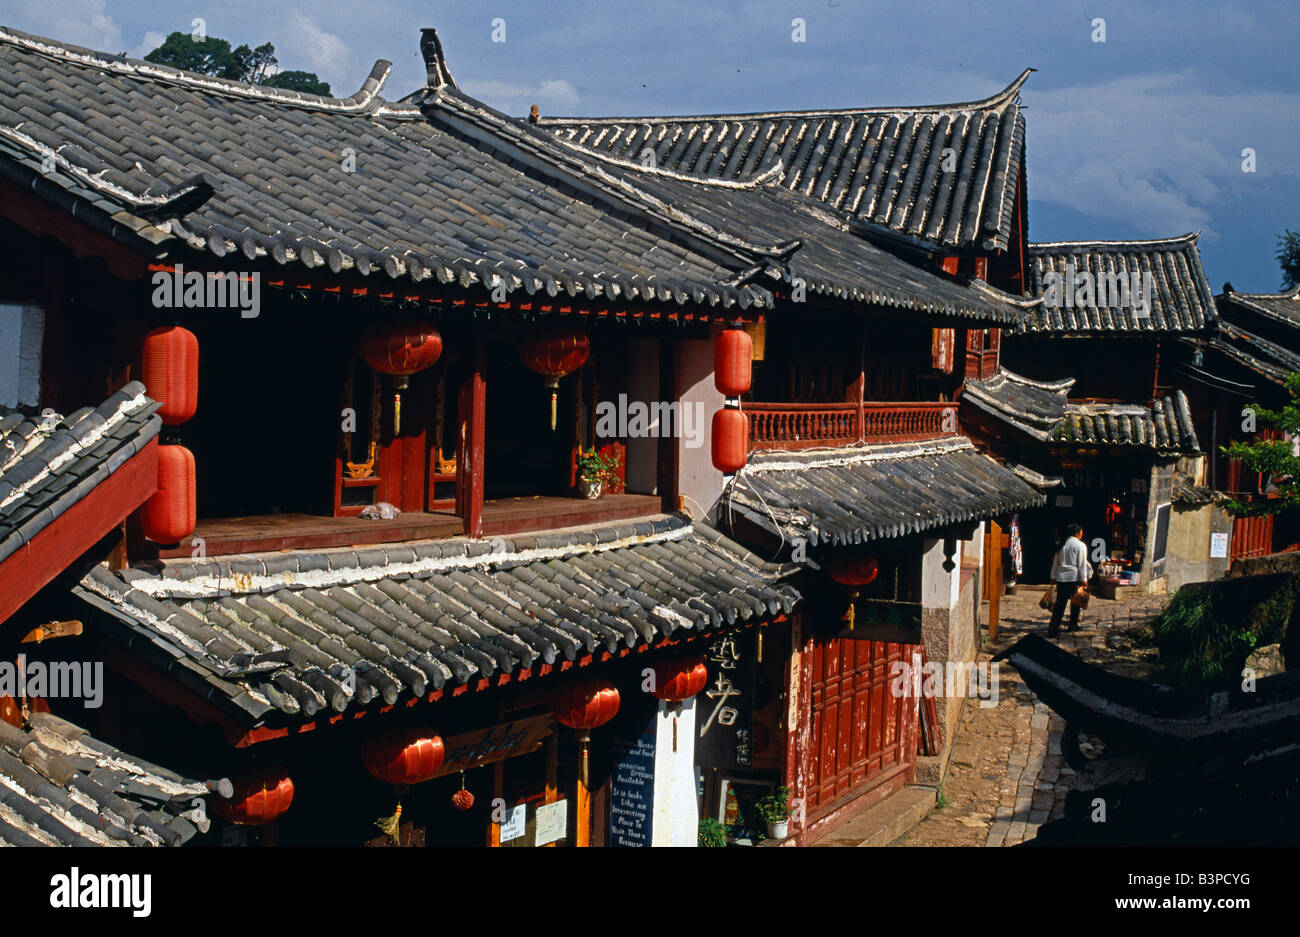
(778, 829)
(590, 488)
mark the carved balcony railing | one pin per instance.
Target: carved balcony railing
(803, 426)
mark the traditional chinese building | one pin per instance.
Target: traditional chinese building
(381, 337)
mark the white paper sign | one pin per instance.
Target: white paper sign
(1218, 545)
(516, 821)
(552, 822)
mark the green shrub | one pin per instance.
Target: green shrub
(712, 833)
(1210, 628)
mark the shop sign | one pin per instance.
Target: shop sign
(493, 744)
(725, 713)
(552, 823)
(632, 790)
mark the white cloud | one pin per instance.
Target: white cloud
(151, 41)
(76, 22)
(304, 46)
(554, 97)
(1154, 151)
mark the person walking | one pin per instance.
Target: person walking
(1070, 572)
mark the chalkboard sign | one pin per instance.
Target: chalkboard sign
(1162, 535)
(632, 789)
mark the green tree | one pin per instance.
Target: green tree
(214, 56)
(1272, 456)
(1288, 256)
(306, 82)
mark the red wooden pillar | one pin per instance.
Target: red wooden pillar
(472, 412)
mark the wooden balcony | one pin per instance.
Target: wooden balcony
(804, 426)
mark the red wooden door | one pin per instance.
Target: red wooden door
(860, 729)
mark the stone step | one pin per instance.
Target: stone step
(885, 822)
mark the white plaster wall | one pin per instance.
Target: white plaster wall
(643, 385)
(21, 331)
(939, 588)
(697, 479)
(676, 810)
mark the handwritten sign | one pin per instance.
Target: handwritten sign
(515, 823)
(552, 823)
(1218, 545)
(494, 744)
(631, 790)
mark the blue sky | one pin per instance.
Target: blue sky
(1137, 137)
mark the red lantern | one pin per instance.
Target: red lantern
(585, 706)
(554, 356)
(852, 570)
(400, 349)
(678, 680)
(168, 516)
(730, 440)
(262, 795)
(733, 364)
(462, 800)
(171, 372)
(403, 756)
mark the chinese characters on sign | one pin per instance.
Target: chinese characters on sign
(726, 716)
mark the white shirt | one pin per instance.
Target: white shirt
(1071, 562)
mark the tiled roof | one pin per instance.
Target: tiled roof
(286, 632)
(1181, 300)
(48, 464)
(61, 787)
(861, 493)
(1255, 352)
(1185, 491)
(1280, 307)
(882, 166)
(438, 187)
(1165, 425)
(1034, 407)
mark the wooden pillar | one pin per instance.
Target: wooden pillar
(582, 802)
(856, 392)
(472, 415)
(993, 581)
(666, 470)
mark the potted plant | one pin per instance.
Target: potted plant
(775, 810)
(595, 473)
(712, 833)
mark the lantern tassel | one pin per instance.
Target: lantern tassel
(391, 826)
(853, 607)
(553, 396)
(397, 414)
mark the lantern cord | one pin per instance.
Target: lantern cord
(779, 530)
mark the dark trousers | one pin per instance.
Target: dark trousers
(1064, 591)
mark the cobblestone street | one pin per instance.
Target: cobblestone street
(1007, 776)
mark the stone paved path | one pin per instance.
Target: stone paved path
(1007, 776)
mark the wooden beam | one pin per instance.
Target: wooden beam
(54, 629)
(471, 443)
(41, 218)
(35, 564)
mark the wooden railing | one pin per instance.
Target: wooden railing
(1252, 536)
(803, 425)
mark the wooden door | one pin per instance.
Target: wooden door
(860, 730)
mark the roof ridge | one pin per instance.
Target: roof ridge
(1190, 238)
(626, 196)
(1293, 293)
(991, 103)
(359, 102)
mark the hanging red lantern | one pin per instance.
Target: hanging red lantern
(586, 705)
(462, 799)
(168, 516)
(403, 756)
(555, 355)
(171, 372)
(678, 680)
(853, 570)
(730, 440)
(262, 795)
(400, 349)
(733, 362)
